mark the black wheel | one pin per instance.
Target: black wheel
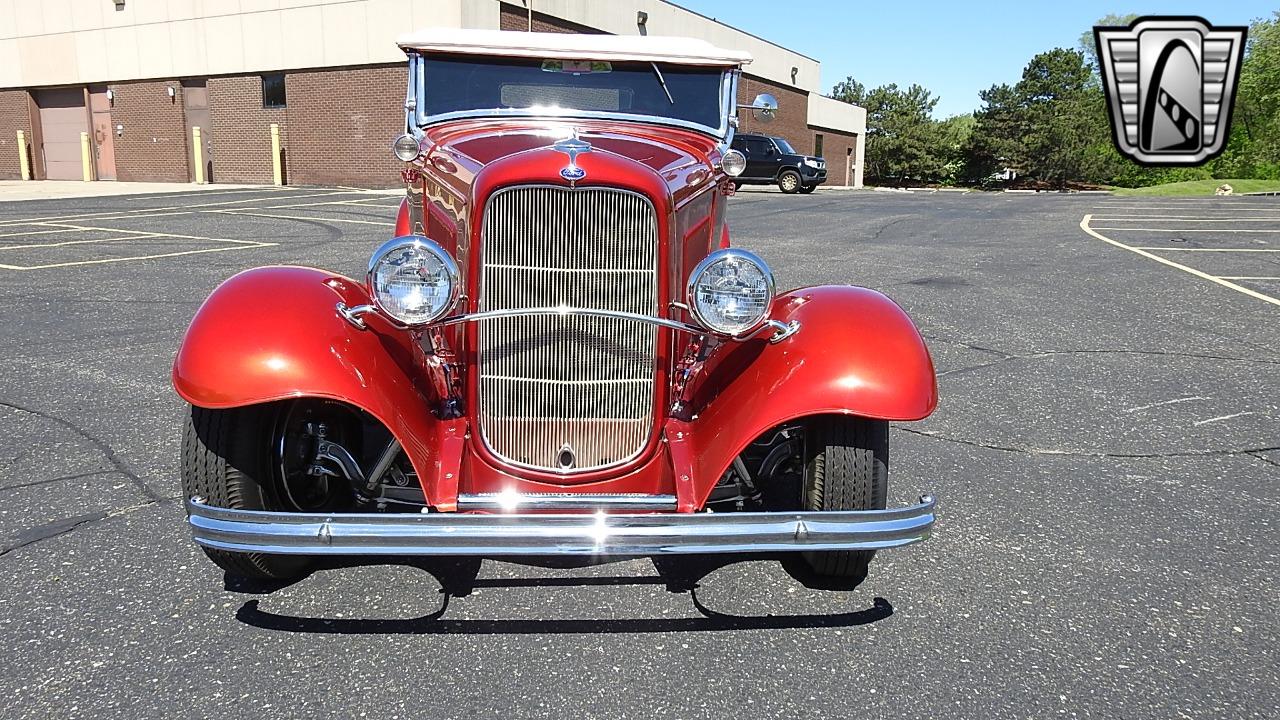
(789, 181)
(256, 458)
(737, 186)
(806, 189)
(846, 467)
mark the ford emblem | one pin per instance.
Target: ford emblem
(572, 173)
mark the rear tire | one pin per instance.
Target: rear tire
(789, 181)
(226, 459)
(846, 468)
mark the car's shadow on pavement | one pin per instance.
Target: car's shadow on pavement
(458, 578)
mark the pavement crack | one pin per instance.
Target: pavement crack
(1105, 351)
(880, 230)
(58, 528)
(1258, 454)
(107, 451)
(1085, 453)
(977, 348)
(50, 481)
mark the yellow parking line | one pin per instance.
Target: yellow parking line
(146, 233)
(126, 259)
(35, 232)
(1178, 230)
(140, 211)
(360, 203)
(132, 236)
(1174, 249)
(302, 217)
(1245, 277)
(1084, 225)
(1185, 218)
(161, 235)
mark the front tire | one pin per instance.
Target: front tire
(789, 181)
(846, 467)
(255, 458)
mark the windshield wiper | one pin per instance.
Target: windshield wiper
(662, 82)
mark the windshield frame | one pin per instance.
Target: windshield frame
(416, 119)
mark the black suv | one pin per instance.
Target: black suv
(772, 159)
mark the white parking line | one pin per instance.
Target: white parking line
(1223, 417)
(1084, 225)
(1246, 277)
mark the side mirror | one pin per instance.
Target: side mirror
(764, 108)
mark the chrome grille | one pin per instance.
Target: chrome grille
(562, 392)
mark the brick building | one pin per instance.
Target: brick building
(138, 75)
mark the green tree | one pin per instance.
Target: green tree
(952, 137)
(902, 141)
(1051, 125)
(1253, 149)
(1089, 45)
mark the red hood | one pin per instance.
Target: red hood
(683, 161)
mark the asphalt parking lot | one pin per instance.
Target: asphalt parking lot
(1106, 455)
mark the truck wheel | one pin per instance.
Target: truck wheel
(806, 189)
(789, 181)
(254, 458)
(846, 468)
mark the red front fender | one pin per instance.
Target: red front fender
(272, 333)
(856, 353)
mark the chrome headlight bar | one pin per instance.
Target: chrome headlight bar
(413, 282)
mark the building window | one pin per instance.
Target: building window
(273, 90)
(817, 144)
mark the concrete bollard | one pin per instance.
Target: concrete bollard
(86, 157)
(24, 160)
(277, 173)
(197, 154)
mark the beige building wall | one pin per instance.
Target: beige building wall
(77, 42)
(80, 43)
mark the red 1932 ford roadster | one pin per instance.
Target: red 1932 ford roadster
(559, 352)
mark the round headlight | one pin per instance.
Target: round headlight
(730, 291)
(406, 148)
(733, 163)
(413, 280)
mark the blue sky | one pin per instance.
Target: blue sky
(953, 48)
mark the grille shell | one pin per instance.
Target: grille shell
(551, 382)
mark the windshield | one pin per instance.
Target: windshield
(785, 146)
(471, 85)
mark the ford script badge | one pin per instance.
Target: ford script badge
(572, 173)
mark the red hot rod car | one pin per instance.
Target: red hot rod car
(559, 352)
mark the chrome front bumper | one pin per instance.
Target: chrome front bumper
(561, 534)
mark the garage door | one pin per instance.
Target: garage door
(62, 119)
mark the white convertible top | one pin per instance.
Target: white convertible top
(573, 46)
